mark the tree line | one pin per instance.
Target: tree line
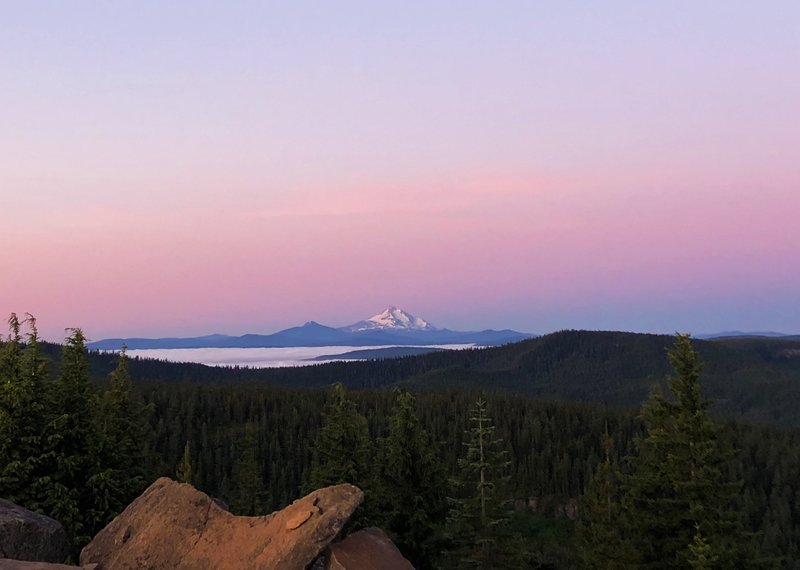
(66, 449)
(459, 478)
(757, 379)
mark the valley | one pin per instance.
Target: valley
(283, 356)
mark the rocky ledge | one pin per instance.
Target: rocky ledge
(175, 526)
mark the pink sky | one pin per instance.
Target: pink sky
(538, 170)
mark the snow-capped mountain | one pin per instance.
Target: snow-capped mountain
(391, 319)
(392, 327)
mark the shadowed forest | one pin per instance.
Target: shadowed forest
(460, 470)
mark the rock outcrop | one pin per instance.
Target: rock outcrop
(368, 549)
(25, 535)
(174, 526)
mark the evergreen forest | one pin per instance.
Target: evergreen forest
(576, 450)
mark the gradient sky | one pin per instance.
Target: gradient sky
(193, 167)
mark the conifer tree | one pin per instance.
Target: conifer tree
(23, 408)
(342, 451)
(247, 479)
(678, 481)
(601, 545)
(122, 427)
(10, 405)
(701, 555)
(412, 485)
(72, 439)
(480, 509)
(183, 474)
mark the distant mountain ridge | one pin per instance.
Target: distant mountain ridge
(392, 327)
(738, 334)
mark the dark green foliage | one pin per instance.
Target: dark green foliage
(342, 451)
(555, 449)
(343, 454)
(480, 510)
(247, 481)
(752, 378)
(679, 494)
(66, 451)
(183, 473)
(701, 555)
(62, 455)
(599, 533)
(412, 480)
(73, 443)
(23, 406)
(555, 446)
(122, 428)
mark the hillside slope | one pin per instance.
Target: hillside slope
(754, 378)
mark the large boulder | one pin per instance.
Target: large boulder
(175, 526)
(368, 549)
(25, 535)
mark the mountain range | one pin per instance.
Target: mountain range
(747, 334)
(392, 327)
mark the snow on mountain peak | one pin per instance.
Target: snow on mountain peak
(393, 318)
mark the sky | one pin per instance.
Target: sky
(194, 167)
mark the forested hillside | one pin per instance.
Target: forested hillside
(753, 378)
(259, 445)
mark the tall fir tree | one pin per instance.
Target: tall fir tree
(343, 453)
(11, 409)
(412, 485)
(678, 481)
(183, 473)
(247, 478)
(122, 429)
(72, 437)
(23, 409)
(481, 506)
(342, 450)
